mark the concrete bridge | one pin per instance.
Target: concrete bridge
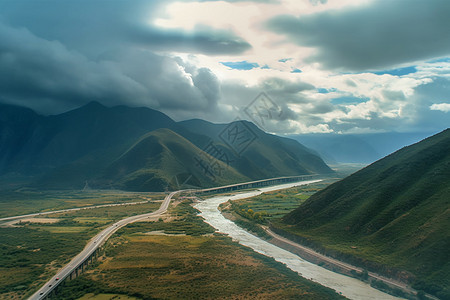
(255, 184)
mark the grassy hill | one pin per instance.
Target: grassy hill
(161, 159)
(392, 215)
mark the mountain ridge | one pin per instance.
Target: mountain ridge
(66, 150)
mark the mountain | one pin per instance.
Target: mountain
(393, 214)
(33, 143)
(358, 148)
(163, 158)
(265, 156)
(92, 143)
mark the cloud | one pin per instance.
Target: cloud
(91, 27)
(172, 56)
(371, 37)
(316, 2)
(47, 76)
(202, 40)
(444, 107)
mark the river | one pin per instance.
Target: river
(349, 287)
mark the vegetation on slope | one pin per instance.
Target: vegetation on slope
(153, 161)
(393, 214)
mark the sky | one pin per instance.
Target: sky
(290, 66)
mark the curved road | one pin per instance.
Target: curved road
(94, 244)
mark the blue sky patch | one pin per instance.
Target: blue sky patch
(349, 100)
(325, 91)
(296, 71)
(240, 65)
(398, 72)
(283, 60)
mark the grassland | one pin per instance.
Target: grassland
(31, 252)
(190, 262)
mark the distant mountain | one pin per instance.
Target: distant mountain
(358, 148)
(394, 213)
(266, 156)
(97, 144)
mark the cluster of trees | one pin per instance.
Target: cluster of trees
(248, 213)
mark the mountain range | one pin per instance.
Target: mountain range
(391, 215)
(141, 149)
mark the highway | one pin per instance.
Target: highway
(94, 244)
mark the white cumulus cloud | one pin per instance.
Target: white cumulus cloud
(445, 107)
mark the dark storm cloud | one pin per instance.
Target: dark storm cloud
(58, 55)
(371, 37)
(203, 40)
(92, 26)
(48, 77)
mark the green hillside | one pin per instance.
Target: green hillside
(392, 215)
(163, 159)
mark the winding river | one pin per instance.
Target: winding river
(347, 286)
